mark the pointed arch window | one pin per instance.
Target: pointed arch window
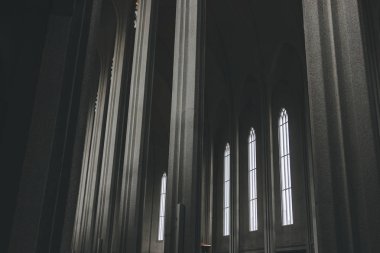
(285, 170)
(161, 222)
(226, 202)
(252, 181)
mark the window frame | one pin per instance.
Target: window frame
(227, 191)
(286, 187)
(252, 182)
(162, 211)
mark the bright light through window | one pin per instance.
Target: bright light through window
(226, 204)
(285, 171)
(252, 181)
(161, 223)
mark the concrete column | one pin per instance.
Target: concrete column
(41, 219)
(117, 101)
(91, 190)
(345, 165)
(78, 228)
(128, 222)
(182, 227)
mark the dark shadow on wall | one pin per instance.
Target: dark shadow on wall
(23, 30)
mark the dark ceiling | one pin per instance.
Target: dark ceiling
(244, 42)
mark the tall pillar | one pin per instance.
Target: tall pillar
(117, 100)
(41, 221)
(182, 227)
(345, 163)
(235, 196)
(96, 148)
(77, 230)
(128, 222)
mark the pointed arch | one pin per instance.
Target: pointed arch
(285, 169)
(252, 181)
(227, 183)
(161, 222)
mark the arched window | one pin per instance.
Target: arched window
(161, 222)
(252, 181)
(226, 204)
(285, 171)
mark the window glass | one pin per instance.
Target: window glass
(252, 181)
(226, 204)
(161, 222)
(285, 171)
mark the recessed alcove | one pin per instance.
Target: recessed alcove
(254, 66)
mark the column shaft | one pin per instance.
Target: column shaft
(346, 182)
(79, 216)
(128, 223)
(185, 132)
(112, 145)
(95, 158)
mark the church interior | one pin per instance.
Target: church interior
(183, 126)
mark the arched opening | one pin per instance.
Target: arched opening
(285, 169)
(161, 217)
(252, 181)
(226, 191)
(263, 194)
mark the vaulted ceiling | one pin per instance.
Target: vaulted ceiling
(246, 42)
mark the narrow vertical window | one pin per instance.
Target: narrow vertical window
(226, 204)
(252, 181)
(161, 222)
(285, 172)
